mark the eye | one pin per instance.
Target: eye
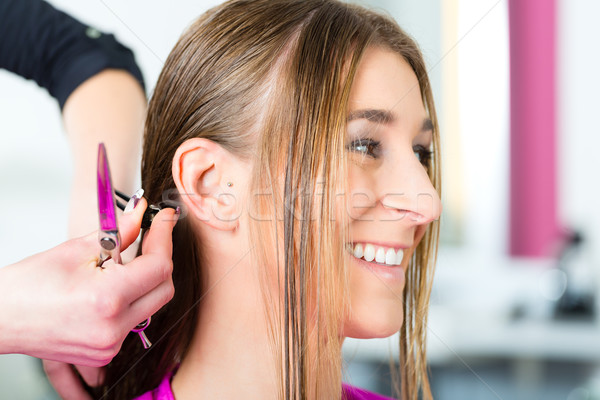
(366, 146)
(423, 154)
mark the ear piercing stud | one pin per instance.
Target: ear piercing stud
(230, 184)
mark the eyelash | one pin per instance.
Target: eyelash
(373, 146)
(424, 155)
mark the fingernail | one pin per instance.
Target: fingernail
(176, 215)
(133, 201)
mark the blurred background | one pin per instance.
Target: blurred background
(513, 310)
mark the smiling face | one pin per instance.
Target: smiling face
(392, 200)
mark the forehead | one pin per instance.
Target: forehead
(384, 80)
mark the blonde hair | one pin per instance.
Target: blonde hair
(269, 80)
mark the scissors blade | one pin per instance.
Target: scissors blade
(106, 199)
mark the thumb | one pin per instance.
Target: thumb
(131, 223)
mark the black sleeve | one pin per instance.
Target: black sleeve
(42, 43)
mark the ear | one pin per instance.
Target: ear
(201, 170)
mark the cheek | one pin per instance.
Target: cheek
(361, 196)
(419, 234)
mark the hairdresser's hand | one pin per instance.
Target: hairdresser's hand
(57, 305)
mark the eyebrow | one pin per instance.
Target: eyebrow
(383, 117)
(372, 115)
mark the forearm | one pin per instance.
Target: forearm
(110, 107)
(9, 337)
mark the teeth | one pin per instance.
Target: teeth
(358, 251)
(380, 254)
(390, 257)
(369, 254)
(399, 257)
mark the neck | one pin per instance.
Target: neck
(229, 357)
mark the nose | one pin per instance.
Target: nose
(406, 192)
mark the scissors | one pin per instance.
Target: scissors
(108, 236)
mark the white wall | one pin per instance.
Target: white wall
(483, 83)
(579, 136)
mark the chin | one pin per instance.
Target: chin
(376, 302)
(373, 319)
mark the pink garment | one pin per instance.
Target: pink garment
(164, 392)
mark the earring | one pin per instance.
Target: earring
(229, 184)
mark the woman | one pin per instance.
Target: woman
(291, 131)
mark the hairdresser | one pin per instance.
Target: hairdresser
(57, 305)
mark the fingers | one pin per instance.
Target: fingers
(158, 239)
(87, 247)
(154, 266)
(131, 223)
(150, 303)
(65, 381)
(142, 275)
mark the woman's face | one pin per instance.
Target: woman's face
(391, 198)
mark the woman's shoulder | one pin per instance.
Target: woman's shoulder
(354, 393)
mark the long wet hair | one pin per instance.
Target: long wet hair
(269, 81)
